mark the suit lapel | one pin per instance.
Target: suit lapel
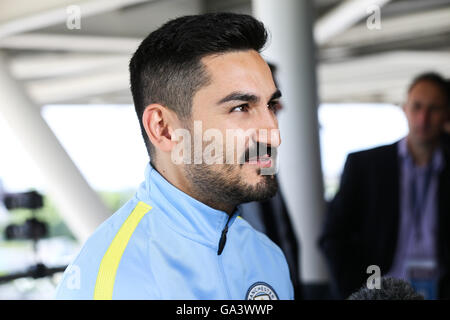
(392, 213)
(443, 212)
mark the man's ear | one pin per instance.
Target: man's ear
(158, 122)
(404, 107)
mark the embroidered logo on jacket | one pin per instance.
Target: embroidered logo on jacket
(261, 291)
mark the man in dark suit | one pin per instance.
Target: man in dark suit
(393, 204)
(446, 135)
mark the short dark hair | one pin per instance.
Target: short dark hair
(434, 78)
(166, 67)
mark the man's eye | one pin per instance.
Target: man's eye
(416, 106)
(240, 108)
(273, 105)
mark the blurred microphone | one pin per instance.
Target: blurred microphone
(391, 289)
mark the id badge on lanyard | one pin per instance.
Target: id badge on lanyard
(421, 271)
(423, 276)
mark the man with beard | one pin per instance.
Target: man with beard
(181, 236)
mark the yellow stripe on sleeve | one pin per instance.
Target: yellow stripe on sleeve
(106, 276)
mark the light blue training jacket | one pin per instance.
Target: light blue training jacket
(164, 244)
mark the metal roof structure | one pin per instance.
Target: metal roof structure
(356, 63)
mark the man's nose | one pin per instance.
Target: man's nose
(424, 117)
(267, 129)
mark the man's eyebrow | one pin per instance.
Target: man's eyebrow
(275, 95)
(242, 96)
(239, 96)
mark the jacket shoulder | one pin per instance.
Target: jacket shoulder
(377, 153)
(93, 273)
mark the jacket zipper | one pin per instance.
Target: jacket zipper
(222, 241)
(223, 237)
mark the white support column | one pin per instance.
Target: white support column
(79, 205)
(291, 48)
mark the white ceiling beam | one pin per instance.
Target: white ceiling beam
(408, 26)
(28, 67)
(14, 9)
(360, 68)
(380, 78)
(55, 15)
(73, 43)
(377, 78)
(58, 90)
(342, 18)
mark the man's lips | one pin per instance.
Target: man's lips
(264, 161)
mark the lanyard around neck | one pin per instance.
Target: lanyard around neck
(418, 199)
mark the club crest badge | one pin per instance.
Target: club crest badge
(261, 291)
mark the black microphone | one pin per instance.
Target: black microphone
(390, 289)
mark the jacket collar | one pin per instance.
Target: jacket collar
(184, 214)
(437, 159)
